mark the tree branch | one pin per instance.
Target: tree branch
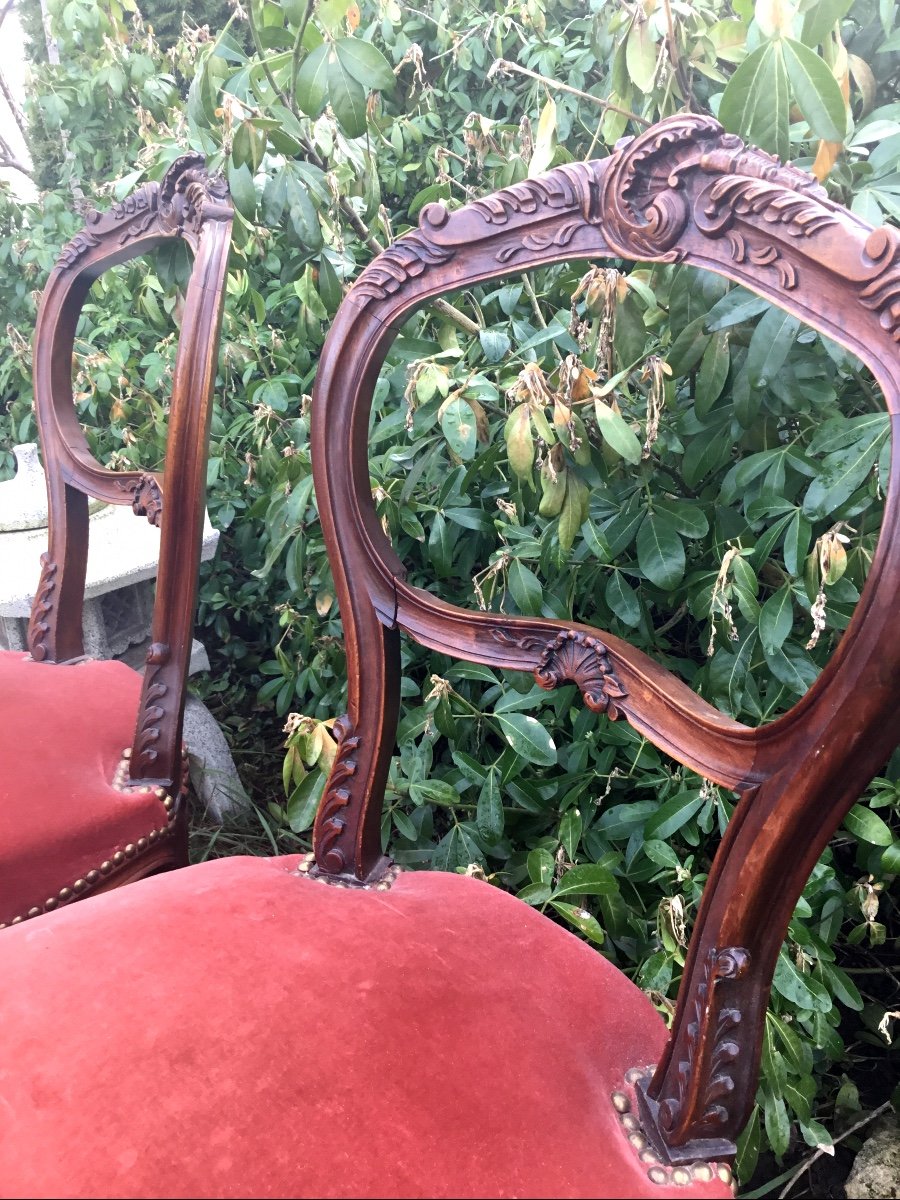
(18, 115)
(504, 66)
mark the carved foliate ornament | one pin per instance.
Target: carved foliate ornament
(336, 797)
(572, 657)
(156, 698)
(41, 609)
(186, 196)
(147, 500)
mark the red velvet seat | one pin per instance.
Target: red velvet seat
(91, 764)
(235, 1029)
(65, 828)
(379, 1043)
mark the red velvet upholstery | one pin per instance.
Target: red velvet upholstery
(62, 733)
(237, 1029)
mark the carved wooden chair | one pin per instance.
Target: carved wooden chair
(79, 812)
(425, 1034)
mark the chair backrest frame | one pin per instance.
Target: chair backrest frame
(683, 191)
(194, 206)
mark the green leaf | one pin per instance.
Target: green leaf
(793, 667)
(570, 828)
(365, 63)
(528, 738)
(688, 348)
(312, 80)
(816, 91)
(494, 343)
(434, 791)
(776, 619)
(641, 54)
(622, 599)
(525, 588)
(441, 543)
(756, 100)
(304, 801)
(582, 921)
(615, 430)
(842, 473)
(535, 893)
(800, 989)
(821, 17)
(890, 859)
(660, 551)
(770, 345)
(748, 1145)
(712, 374)
(735, 306)
(670, 817)
(348, 98)
(541, 866)
(243, 193)
(868, 826)
(458, 426)
(587, 880)
(489, 813)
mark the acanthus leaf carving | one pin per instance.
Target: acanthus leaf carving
(186, 197)
(523, 207)
(710, 1052)
(647, 195)
(331, 823)
(147, 500)
(41, 609)
(154, 701)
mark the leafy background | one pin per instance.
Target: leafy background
(643, 447)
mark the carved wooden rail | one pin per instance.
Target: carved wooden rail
(194, 206)
(683, 191)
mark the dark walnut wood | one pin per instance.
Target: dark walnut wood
(684, 191)
(191, 205)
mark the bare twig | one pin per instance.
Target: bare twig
(503, 65)
(808, 1162)
(9, 159)
(675, 58)
(12, 103)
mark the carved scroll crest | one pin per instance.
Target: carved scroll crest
(186, 196)
(649, 192)
(330, 824)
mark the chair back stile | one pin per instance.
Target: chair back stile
(191, 205)
(684, 191)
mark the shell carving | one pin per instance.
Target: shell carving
(579, 658)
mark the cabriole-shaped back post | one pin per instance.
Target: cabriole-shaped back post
(684, 191)
(192, 205)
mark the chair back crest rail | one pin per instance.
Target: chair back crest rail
(683, 191)
(191, 205)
